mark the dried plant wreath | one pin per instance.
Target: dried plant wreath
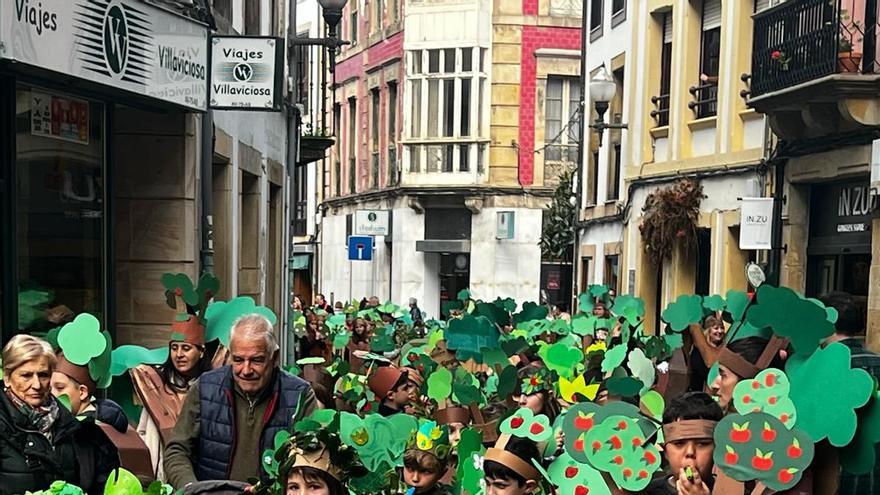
(671, 215)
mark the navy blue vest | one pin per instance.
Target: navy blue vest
(217, 420)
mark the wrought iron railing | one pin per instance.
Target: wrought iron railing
(799, 41)
(660, 113)
(705, 102)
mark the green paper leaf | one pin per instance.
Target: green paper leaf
(791, 316)
(310, 360)
(618, 446)
(126, 357)
(613, 358)
(507, 381)
(181, 282)
(825, 408)
(654, 403)
(81, 340)
(859, 457)
(122, 482)
(586, 303)
(737, 302)
(572, 478)
(530, 311)
(65, 401)
(463, 295)
(642, 368)
(562, 358)
(629, 307)
(714, 303)
(687, 309)
(624, 386)
(469, 335)
(221, 315)
(440, 385)
(768, 392)
(673, 340)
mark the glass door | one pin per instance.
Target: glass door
(60, 208)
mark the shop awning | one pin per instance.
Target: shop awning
(301, 261)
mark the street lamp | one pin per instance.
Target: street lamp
(602, 91)
(332, 15)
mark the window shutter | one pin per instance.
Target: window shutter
(711, 14)
(667, 27)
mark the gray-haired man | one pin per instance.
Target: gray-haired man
(231, 415)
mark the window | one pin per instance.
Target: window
(445, 118)
(614, 174)
(252, 17)
(585, 272)
(337, 168)
(353, 23)
(304, 83)
(597, 7)
(392, 133)
(592, 178)
(378, 14)
(618, 12)
(300, 203)
(374, 136)
(612, 271)
(661, 101)
(223, 8)
(391, 13)
(562, 119)
(706, 96)
(352, 146)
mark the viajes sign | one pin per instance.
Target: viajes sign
(125, 44)
(246, 72)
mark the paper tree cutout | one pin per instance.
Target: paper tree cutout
(619, 447)
(530, 311)
(524, 423)
(859, 457)
(470, 467)
(714, 303)
(469, 335)
(126, 357)
(687, 309)
(642, 368)
(221, 315)
(804, 322)
(737, 302)
(826, 392)
(574, 478)
(440, 385)
(466, 388)
(614, 358)
(629, 307)
(581, 418)
(759, 447)
(379, 441)
(85, 344)
(768, 392)
(561, 358)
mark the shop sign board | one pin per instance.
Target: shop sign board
(246, 73)
(372, 222)
(124, 44)
(841, 214)
(756, 223)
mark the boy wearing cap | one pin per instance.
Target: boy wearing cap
(688, 429)
(392, 389)
(509, 467)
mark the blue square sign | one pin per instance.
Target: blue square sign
(360, 248)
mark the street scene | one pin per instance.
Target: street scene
(440, 247)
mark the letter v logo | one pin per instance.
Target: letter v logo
(115, 39)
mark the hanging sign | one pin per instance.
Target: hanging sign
(756, 223)
(372, 222)
(246, 73)
(125, 44)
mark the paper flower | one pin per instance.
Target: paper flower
(759, 447)
(826, 391)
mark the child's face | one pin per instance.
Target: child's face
(296, 485)
(401, 396)
(535, 402)
(495, 486)
(422, 481)
(696, 453)
(723, 385)
(455, 430)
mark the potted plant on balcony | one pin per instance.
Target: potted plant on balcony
(314, 144)
(848, 60)
(781, 58)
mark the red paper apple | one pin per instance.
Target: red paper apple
(768, 434)
(516, 422)
(584, 423)
(740, 433)
(571, 472)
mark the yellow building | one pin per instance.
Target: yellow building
(688, 119)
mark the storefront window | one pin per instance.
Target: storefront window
(59, 191)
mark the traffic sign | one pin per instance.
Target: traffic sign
(360, 248)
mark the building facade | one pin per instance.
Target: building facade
(103, 183)
(689, 119)
(444, 124)
(820, 101)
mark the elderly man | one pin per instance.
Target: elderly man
(231, 415)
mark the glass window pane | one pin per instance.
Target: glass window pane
(433, 61)
(416, 62)
(466, 107)
(415, 158)
(60, 217)
(467, 55)
(448, 156)
(448, 107)
(416, 108)
(435, 157)
(449, 60)
(433, 106)
(464, 157)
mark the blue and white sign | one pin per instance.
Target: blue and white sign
(360, 248)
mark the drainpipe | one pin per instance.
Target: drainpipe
(776, 246)
(207, 196)
(293, 123)
(578, 175)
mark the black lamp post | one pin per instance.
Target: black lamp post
(332, 10)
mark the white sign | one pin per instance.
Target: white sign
(246, 72)
(504, 225)
(371, 222)
(124, 44)
(756, 223)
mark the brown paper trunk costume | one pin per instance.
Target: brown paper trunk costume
(133, 452)
(161, 402)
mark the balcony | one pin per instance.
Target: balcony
(815, 69)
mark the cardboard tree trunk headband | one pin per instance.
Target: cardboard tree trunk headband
(187, 327)
(84, 352)
(524, 424)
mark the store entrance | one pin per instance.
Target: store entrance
(455, 275)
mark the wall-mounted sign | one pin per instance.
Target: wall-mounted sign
(124, 44)
(756, 223)
(841, 214)
(246, 72)
(504, 227)
(371, 222)
(59, 117)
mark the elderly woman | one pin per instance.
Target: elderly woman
(36, 433)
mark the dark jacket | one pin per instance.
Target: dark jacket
(28, 461)
(96, 454)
